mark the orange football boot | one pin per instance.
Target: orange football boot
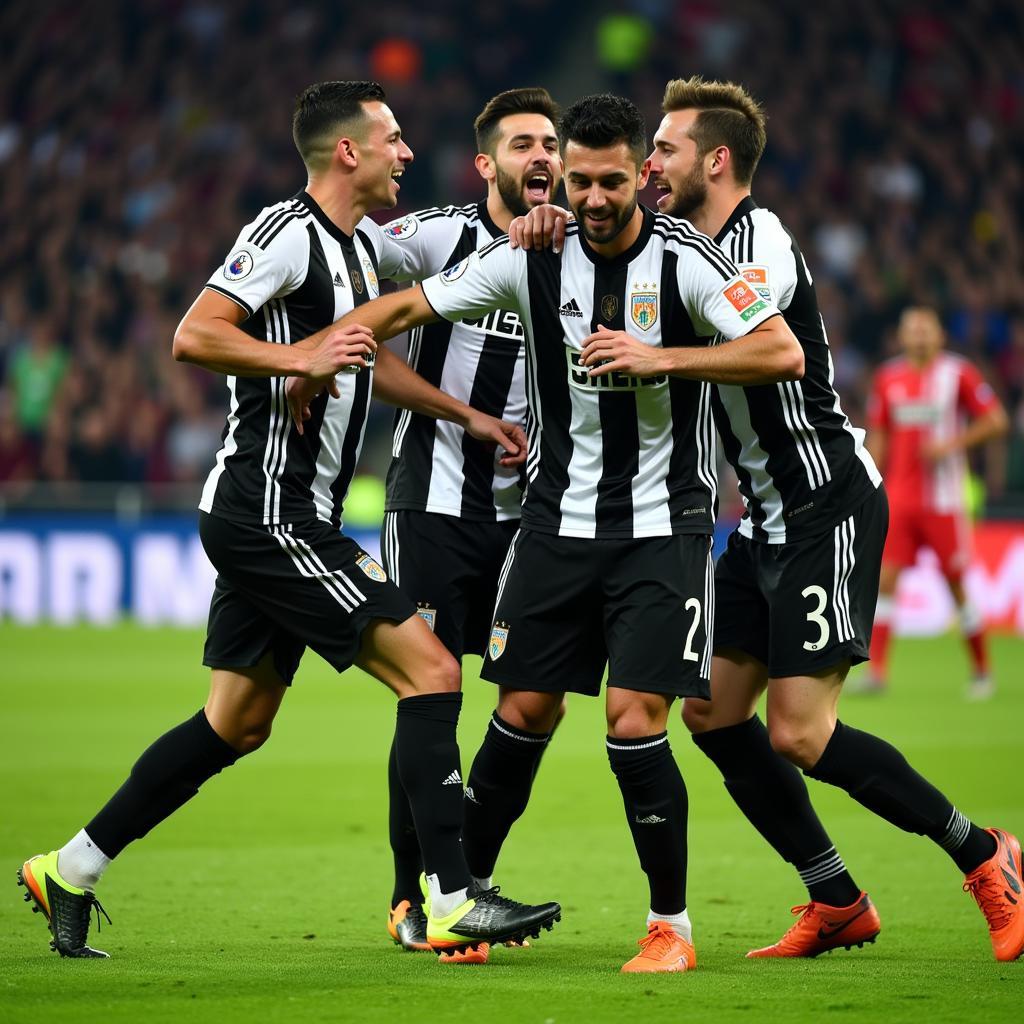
(407, 925)
(471, 955)
(997, 887)
(662, 950)
(821, 929)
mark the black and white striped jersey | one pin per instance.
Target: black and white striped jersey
(436, 466)
(613, 456)
(294, 272)
(801, 465)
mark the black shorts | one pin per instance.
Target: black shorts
(567, 606)
(803, 606)
(449, 567)
(286, 588)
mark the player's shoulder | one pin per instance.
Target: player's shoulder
(281, 224)
(681, 237)
(434, 219)
(893, 368)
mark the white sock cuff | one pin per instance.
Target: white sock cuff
(971, 619)
(81, 862)
(680, 922)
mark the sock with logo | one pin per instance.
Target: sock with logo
(878, 776)
(405, 846)
(81, 862)
(166, 776)
(773, 795)
(656, 804)
(427, 756)
(498, 790)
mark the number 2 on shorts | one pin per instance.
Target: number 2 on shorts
(816, 617)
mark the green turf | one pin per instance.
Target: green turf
(264, 899)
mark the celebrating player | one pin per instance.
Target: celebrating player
(928, 407)
(612, 562)
(270, 517)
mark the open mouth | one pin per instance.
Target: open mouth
(395, 175)
(538, 186)
(666, 192)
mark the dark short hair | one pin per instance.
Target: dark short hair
(605, 120)
(727, 116)
(327, 107)
(531, 100)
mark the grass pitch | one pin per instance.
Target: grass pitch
(264, 899)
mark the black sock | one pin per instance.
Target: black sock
(654, 796)
(405, 847)
(878, 776)
(498, 790)
(773, 795)
(427, 754)
(167, 775)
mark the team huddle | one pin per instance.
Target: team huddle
(550, 505)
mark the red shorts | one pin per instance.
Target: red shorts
(948, 534)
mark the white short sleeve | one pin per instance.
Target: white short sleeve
(730, 307)
(490, 278)
(252, 275)
(422, 245)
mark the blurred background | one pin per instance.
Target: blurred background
(136, 139)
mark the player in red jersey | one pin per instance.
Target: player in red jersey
(927, 408)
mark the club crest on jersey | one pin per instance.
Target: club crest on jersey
(757, 278)
(371, 568)
(499, 639)
(371, 277)
(643, 309)
(357, 281)
(404, 227)
(455, 271)
(238, 265)
(744, 300)
(609, 307)
(427, 614)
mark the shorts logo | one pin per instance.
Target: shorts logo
(239, 265)
(454, 272)
(357, 281)
(404, 228)
(499, 638)
(643, 309)
(427, 614)
(370, 275)
(757, 278)
(744, 300)
(371, 568)
(609, 307)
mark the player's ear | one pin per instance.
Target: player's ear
(347, 151)
(645, 173)
(721, 161)
(485, 167)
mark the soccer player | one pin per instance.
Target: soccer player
(612, 561)
(927, 408)
(270, 518)
(452, 507)
(796, 587)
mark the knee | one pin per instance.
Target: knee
(439, 674)
(634, 722)
(531, 712)
(697, 715)
(248, 736)
(798, 742)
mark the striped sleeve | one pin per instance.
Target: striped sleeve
(488, 279)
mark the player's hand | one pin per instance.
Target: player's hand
(936, 451)
(542, 227)
(508, 436)
(300, 392)
(343, 349)
(616, 352)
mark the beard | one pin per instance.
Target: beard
(511, 192)
(609, 230)
(690, 196)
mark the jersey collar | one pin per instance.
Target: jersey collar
(746, 204)
(325, 222)
(629, 254)
(485, 219)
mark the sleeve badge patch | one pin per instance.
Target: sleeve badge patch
(757, 278)
(371, 568)
(404, 227)
(239, 265)
(455, 271)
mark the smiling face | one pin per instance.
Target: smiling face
(676, 168)
(525, 162)
(601, 186)
(382, 157)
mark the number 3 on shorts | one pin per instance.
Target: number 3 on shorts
(815, 616)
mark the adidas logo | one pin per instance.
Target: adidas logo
(571, 309)
(651, 819)
(471, 796)
(455, 779)
(338, 281)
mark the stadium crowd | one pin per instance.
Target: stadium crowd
(133, 142)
